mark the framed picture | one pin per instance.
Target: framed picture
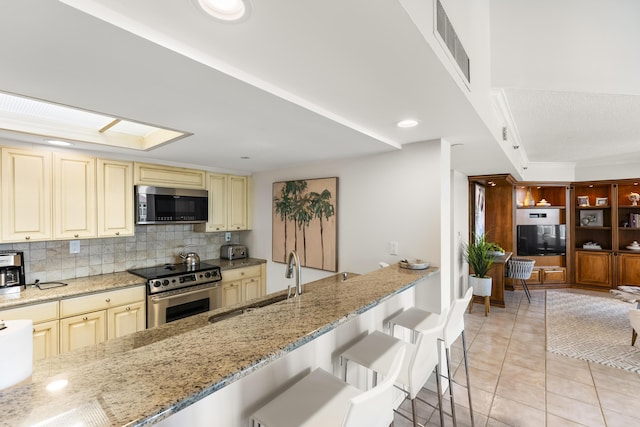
(583, 200)
(602, 201)
(478, 209)
(591, 218)
(305, 215)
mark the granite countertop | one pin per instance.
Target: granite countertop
(100, 283)
(144, 377)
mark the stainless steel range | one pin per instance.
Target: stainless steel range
(175, 291)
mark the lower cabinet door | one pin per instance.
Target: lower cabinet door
(125, 319)
(82, 330)
(45, 339)
(628, 270)
(594, 268)
(231, 293)
(251, 288)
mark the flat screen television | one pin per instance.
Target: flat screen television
(536, 240)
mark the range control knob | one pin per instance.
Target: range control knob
(207, 274)
(156, 283)
(165, 282)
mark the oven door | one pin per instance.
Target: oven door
(173, 305)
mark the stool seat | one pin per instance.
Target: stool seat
(322, 400)
(375, 352)
(326, 398)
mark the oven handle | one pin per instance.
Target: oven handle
(156, 298)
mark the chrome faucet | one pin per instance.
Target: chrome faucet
(293, 258)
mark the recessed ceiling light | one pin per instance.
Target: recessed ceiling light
(59, 143)
(245, 157)
(225, 10)
(407, 123)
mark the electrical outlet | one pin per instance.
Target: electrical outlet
(227, 236)
(74, 246)
(393, 248)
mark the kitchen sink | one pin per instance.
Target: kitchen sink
(247, 308)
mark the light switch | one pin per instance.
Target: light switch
(393, 248)
(74, 246)
(227, 236)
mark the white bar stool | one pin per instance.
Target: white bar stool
(322, 400)
(420, 360)
(416, 319)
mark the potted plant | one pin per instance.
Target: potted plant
(480, 254)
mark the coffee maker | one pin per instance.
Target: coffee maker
(11, 272)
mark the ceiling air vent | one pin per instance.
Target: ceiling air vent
(451, 40)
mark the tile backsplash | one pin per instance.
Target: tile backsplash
(152, 245)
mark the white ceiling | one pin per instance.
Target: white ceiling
(301, 81)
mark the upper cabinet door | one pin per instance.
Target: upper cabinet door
(115, 198)
(26, 195)
(237, 219)
(168, 176)
(74, 187)
(217, 186)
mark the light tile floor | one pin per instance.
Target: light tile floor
(515, 382)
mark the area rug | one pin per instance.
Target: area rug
(591, 328)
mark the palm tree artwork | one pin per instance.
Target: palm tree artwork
(304, 220)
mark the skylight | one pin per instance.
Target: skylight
(35, 117)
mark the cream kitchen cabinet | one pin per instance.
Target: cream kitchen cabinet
(125, 319)
(26, 195)
(45, 326)
(115, 198)
(237, 203)
(74, 196)
(168, 176)
(91, 319)
(217, 188)
(242, 284)
(82, 330)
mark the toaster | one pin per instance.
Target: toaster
(233, 252)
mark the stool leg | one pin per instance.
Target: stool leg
(439, 391)
(466, 369)
(526, 290)
(634, 335)
(453, 405)
(487, 305)
(470, 305)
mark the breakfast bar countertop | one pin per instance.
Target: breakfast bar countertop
(144, 377)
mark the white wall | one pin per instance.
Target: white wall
(460, 232)
(387, 197)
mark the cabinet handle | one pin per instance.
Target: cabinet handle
(217, 228)
(117, 233)
(128, 308)
(237, 228)
(108, 300)
(75, 235)
(34, 330)
(27, 237)
(85, 318)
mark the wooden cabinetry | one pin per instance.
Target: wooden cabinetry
(26, 195)
(74, 196)
(45, 326)
(168, 176)
(594, 268)
(628, 267)
(115, 198)
(242, 284)
(91, 319)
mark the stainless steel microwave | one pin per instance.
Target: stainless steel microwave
(161, 205)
